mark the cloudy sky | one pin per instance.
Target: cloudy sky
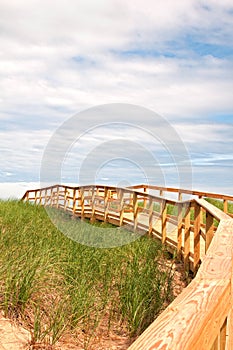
(173, 57)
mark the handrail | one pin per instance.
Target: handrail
(201, 317)
(184, 191)
(225, 198)
(216, 212)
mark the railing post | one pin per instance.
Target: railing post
(197, 227)
(35, 200)
(45, 197)
(131, 202)
(135, 210)
(179, 230)
(164, 220)
(187, 229)
(121, 200)
(93, 205)
(48, 196)
(209, 230)
(57, 198)
(51, 197)
(74, 201)
(82, 203)
(65, 197)
(202, 216)
(150, 216)
(179, 196)
(145, 199)
(26, 196)
(225, 206)
(40, 200)
(68, 194)
(106, 194)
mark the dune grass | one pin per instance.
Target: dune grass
(55, 285)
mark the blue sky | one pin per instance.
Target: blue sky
(172, 57)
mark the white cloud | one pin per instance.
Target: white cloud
(60, 58)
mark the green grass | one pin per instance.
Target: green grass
(56, 286)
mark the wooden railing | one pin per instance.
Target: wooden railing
(201, 317)
(163, 191)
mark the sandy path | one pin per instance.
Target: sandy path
(12, 337)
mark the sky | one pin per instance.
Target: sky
(172, 57)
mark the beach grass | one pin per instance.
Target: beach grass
(56, 286)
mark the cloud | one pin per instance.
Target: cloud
(59, 58)
(21, 154)
(74, 57)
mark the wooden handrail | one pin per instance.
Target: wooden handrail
(183, 191)
(225, 198)
(201, 317)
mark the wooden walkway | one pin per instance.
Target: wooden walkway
(201, 317)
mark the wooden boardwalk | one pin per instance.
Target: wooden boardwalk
(201, 317)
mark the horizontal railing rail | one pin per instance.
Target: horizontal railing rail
(201, 317)
(180, 192)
